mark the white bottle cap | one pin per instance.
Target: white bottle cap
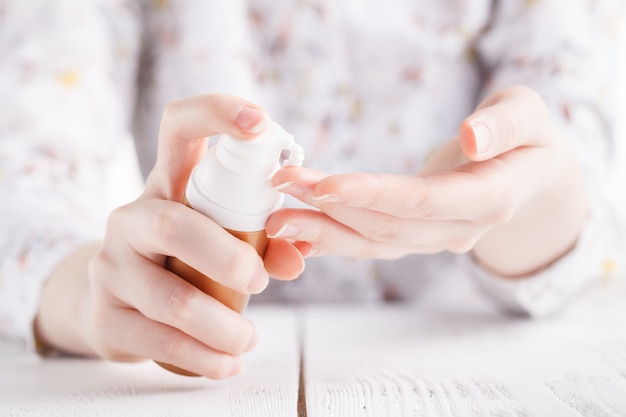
(232, 182)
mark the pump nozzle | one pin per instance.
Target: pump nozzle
(296, 154)
(259, 157)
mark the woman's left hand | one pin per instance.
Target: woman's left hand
(508, 187)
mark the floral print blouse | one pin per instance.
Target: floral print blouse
(365, 85)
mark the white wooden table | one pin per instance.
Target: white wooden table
(394, 360)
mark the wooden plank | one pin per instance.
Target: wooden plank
(413, 361)
(81, 388)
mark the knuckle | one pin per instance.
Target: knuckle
(181, 303)
(100, 341)
(171, 108)
(164, 220)
(208, 103)
(175, 347)
(383, 229)
(99, 268)
(114, 218)
(242, 337)
(220, 367)
(373, 183)
(107, 352)
(115, 221)
(421, 202)
(241, 264)
(424, 207)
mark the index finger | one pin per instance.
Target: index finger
(435, 196)
(488, 190)
(185, 126)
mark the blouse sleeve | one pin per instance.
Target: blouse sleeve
(565, 50)
(66, 78)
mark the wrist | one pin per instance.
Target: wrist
(59, 326)
(540, 233)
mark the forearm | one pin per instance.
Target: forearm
(61, 319)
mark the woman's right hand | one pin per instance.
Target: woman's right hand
(117, 301)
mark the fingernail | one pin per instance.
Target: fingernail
(329, 198)
(252, 120)
(290, 188)
(482, 136)
(287, 230)
(283, 186)
(259, 281)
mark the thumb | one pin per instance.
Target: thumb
(511, 118)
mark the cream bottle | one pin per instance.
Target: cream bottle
(232, 186)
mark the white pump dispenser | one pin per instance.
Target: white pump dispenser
(232, 183)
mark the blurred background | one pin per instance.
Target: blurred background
(619, 184)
